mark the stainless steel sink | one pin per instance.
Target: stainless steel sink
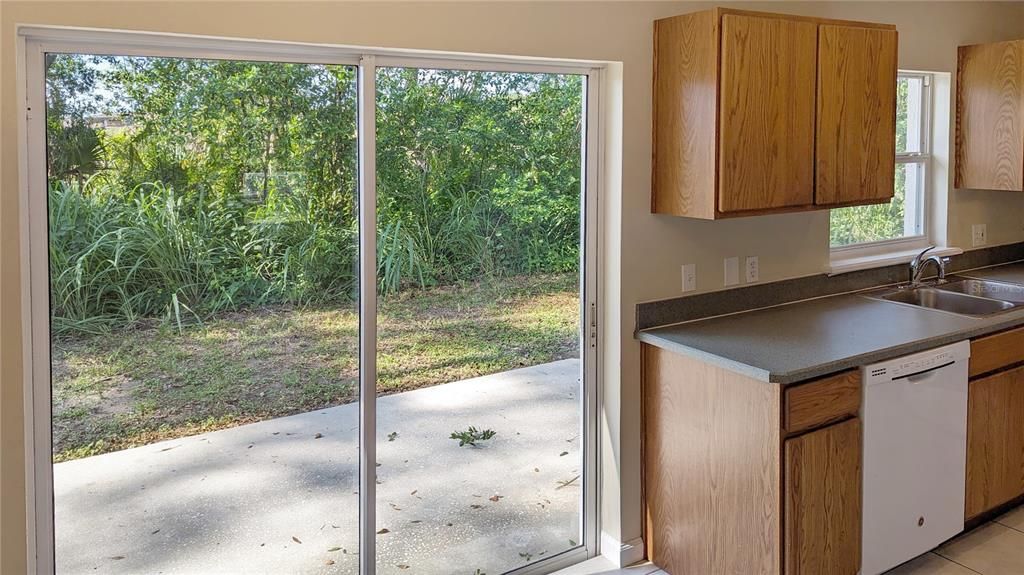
(986, 288)
(950, 301)
(959, 296)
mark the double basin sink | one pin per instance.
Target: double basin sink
(962, 296)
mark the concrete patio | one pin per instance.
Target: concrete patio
(280, 496)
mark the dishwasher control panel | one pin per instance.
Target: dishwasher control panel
(923, 364)
(917, 363)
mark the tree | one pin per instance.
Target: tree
(73, 146)
(245, 173)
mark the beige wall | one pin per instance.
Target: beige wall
(653, 246)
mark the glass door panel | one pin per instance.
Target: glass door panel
(203, 270)
(480, 409)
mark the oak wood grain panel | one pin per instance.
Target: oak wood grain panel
(685, 115)
(990, 116)
(995, 440)
(790, 209)
(823, 501)
(856, 123)
(712, 469)
(766, 120)
(813, 19)
(813, 404)
(996, 351)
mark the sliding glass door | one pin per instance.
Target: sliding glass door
(310, 317)
(480, 441)
(204, 320)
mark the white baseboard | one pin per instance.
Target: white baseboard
(619, 553)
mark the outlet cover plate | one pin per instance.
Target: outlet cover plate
(753, 271)
(979, 235)
(689, 277)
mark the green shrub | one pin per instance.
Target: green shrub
(232, 184)
(119, 256)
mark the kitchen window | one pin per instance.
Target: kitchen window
(862, 235)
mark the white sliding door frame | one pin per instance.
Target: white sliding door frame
(34, 42)
(367, 137)
(591, 147)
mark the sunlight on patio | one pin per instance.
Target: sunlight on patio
(264, 497)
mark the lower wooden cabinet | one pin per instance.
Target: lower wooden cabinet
(826, 400)
(995, 440)
(743, 476)
(823, 501)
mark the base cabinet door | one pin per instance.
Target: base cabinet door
(995, 440)
(823, 501)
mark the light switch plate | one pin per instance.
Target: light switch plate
(979, 235)
(689, 277)
(732, 271)
(753, 272)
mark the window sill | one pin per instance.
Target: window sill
(852, 264)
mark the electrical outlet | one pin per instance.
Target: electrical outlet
(732, 271)
(979, 235)
(753, 273)
(689, 277)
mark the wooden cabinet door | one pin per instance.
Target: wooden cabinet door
(823, 501)
(766, 113)
(995, 440)
(990, 117)
(856, 126)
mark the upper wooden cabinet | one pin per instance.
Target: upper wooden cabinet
(856, 139)
(761, 113)
(990, 117)
(765, 131)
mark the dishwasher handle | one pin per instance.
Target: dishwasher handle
(919, 376)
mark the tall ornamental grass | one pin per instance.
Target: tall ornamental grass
(120, 256)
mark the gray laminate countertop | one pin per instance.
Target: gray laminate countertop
(1008, 273)
(807, 339)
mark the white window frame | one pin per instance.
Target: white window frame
(899, 250)
(34, 42)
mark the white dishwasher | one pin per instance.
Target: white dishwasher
(915, 452)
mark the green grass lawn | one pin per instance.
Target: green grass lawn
(134, 387)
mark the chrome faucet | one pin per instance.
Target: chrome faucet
(920, 262)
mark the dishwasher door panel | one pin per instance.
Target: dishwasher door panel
(915, 451)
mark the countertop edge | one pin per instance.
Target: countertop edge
(827, 368)
(730, 364)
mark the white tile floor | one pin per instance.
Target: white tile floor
(996, 548)
(601, 566)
